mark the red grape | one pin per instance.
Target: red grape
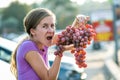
(80, 37)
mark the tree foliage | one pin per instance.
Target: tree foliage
(65, 11)
(17, 11)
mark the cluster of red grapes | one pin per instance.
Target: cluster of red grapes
(80, 37)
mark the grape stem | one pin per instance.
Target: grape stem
(75, 23)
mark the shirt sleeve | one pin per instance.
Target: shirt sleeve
(25, 47)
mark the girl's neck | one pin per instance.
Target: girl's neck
(38, 44)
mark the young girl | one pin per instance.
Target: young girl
(30, 59)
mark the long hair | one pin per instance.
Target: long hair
(13, 66)
(31, 20)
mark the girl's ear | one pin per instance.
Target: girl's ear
(32, 31)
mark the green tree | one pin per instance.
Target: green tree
(11, 22)
(17, 11)
(90, 6)
(10, 25)
(65, 11)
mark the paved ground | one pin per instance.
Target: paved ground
(95, 61)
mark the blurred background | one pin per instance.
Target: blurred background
(103, 55)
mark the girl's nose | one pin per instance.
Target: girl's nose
(50, 30)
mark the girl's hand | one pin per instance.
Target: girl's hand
(68, 47)
(80, 20)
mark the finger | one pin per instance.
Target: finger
(87, 18)
(68, 47)
(81, 18)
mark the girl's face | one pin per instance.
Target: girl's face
(44, 32)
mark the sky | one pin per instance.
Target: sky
(5, 3)
(82, 1)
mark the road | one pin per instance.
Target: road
(95, 60)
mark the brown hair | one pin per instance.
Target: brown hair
(34, 17)
(31, 20)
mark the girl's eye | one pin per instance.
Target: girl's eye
(47, 26)
(52, 26)
(44, 26)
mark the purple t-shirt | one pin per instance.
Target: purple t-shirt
(25, 71)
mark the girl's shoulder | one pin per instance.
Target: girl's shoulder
(25, 47)
(27, 44)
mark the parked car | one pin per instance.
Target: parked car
(6, 47)
(5, 73)
(68, 69)
(20, 37)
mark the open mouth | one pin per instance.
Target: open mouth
(49, 37)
